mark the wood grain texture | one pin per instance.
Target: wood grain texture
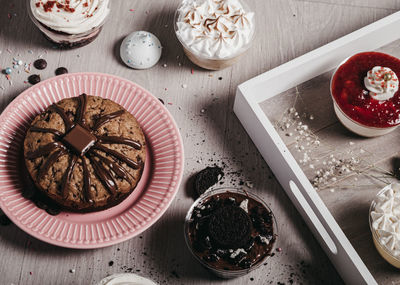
(210, 130)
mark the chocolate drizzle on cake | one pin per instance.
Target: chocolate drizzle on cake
(81, 142)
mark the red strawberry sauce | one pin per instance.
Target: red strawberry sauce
(353, 98)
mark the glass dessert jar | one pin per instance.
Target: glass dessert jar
(384, 220)
(69, 24)
(214, 34)
(230, 231)
(365, 95)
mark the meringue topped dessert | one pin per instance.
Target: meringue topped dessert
(69, 23)
(385, 223)
(365, 92)
(214, 33)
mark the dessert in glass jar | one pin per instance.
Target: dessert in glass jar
(230, 231)
(365, 93)
(69, 23)
(384, 221)
(214, 33)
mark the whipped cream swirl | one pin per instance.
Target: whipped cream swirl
(382, 83)
(215, 28)
(386, 218)
(70, 16)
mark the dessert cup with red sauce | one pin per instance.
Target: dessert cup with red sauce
(356, 109)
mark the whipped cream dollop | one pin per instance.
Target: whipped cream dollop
(382, 83)
(126, 279)
(386, 218)
(215, 28)
(70, 16)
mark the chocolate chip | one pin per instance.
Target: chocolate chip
(111, 263)
(34, 79)
(207, 178)
(61, 70)
(230, 227)
(4, 220)
(40, 64)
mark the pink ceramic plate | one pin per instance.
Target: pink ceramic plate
(151, 198)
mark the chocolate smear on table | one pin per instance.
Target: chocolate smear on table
(207, 178)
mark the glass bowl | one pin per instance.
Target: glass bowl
(349, 123)
(383, 251)
(64, 40)
(221, 272)
(214, 63)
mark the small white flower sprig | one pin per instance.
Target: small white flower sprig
(330, 168)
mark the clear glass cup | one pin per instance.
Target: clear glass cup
(64, 40)
(349, 123)
(383, 251)
(214, 63)
(220, 272)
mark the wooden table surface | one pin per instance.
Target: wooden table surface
(201, 103)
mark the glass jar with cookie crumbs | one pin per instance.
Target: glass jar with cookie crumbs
(230, 231)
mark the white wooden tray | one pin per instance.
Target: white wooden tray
(247, 107)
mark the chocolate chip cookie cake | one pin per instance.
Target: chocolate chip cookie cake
(86, 153)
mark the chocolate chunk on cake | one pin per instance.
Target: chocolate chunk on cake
(85, 153)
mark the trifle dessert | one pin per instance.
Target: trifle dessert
(85, 153)
(230, 231)
(69, 23)
(385, 223)
(214, 33)
(365, 93)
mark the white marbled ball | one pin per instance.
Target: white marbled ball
(140, 50)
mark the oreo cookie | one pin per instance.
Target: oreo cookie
(207, 178)
(230, 227)
(231, 231)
